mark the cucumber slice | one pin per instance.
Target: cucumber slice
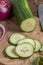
(41, 50)
(15, 38)
(24, 50)
(31, 41)
(38, 45)
(10, 51)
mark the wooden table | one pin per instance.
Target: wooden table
(11, 27)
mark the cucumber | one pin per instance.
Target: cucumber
(24, 15)
(36, 61)
(14, 38)
(24, 50)
(38, 45)
(31, 41)
(41, 50)
(10, 51)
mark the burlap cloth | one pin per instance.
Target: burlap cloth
(12, 27)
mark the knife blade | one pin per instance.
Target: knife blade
(40, 13)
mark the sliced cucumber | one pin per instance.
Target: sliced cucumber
(24, 50)
(41, 50)
(31, 41)
(28, 25)
(38, 45)
(10, 51)
(15, 38)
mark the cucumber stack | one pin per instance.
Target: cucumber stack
(21, 46)
(24, 15)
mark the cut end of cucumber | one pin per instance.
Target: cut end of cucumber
(28, 25)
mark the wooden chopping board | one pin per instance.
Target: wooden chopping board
(11, 27)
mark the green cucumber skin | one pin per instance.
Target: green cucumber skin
(24, 9)
(20, 13)
(28, 9)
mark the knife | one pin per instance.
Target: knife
(40, 13)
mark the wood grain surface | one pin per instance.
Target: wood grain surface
(11, 27)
